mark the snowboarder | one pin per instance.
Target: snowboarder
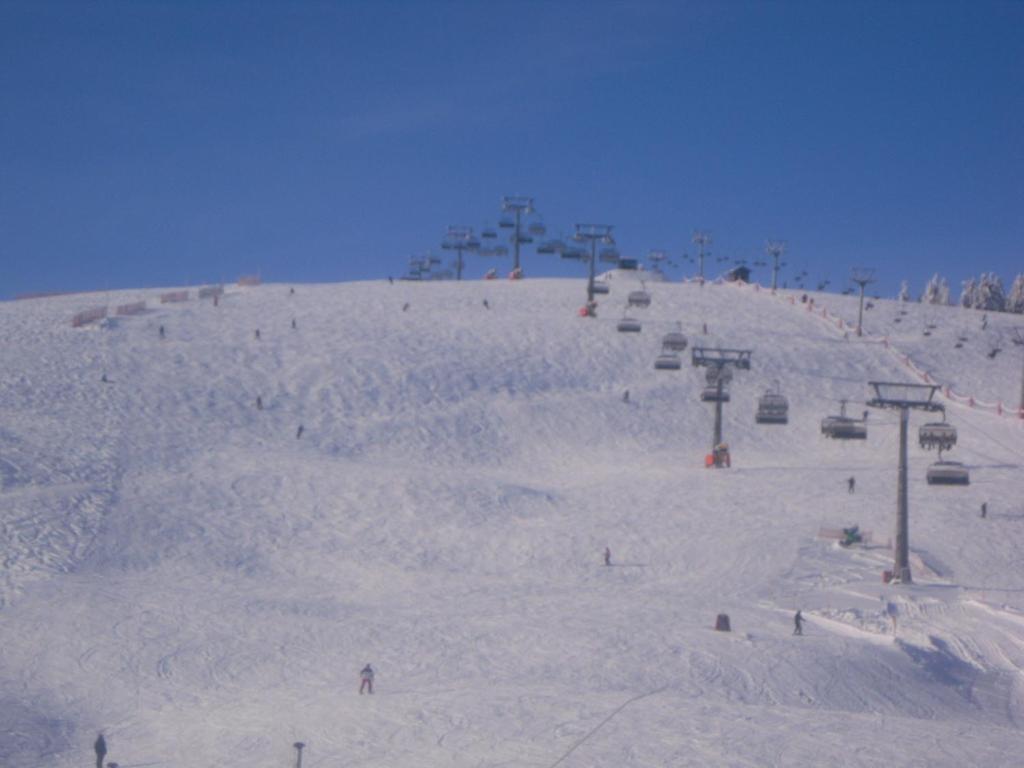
(798, 623)
(851, 482)
(984, 509)
(299, 431)
(101, 750)
(366, 679)
(162, 332)
(607, 556)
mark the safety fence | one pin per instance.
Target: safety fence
(87, 316)
(135, 308)
(904, 359)
(173, 297)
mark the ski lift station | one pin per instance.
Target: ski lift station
(772, 407)
(628, 325)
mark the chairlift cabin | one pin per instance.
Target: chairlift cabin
(937, 435)
(948, 473)
(710, 394)
(842, 427)
(547, 247)
(628, 325)
(488, 233)
(574, 253)
(537, 228)
(506, 222)
(630, 264)
(772, 408)
(601, 288)
(668, 361)
(639, 299)
(525, 239)
(608, 255)
(673, 342)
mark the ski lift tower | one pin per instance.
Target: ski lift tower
(593, 233)
(514, 206)
(701, 239)
(862, 277)
(719, 360)
(775, 249)
(904, 397)
(460, 239)
(1018, 340)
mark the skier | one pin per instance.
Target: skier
(705, 328)
(625, 396)
(161, 332)
(486, 304)
(984, 509)
(299, 431)
(101, 750)
(257, 334)
(851, 481)
(294, 326)
(366, 678)
(259, 403)
(103, 378)
(798, 623)
(607, 556)
(291, 291)
(391, 280)
(405, 307)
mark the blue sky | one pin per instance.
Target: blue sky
(162, 143)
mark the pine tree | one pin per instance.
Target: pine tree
(936, 291)
(904, 294)
(990, 295)
(967, 295)
(1015, 301)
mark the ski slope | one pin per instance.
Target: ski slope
(184, 573)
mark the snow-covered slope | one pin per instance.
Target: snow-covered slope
(184, 572)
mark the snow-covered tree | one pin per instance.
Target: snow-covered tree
(967, 295)
(936, 291)
(1015, 301)
(990, 294)
(904, 294)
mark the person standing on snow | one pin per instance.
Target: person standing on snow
(798, 623)
(850, 483)
(101, 750)
(607, 556)
(366, 679)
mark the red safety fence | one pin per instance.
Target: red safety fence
(135, 308)
(211, 291)
(172, 297)
(250, 280)
(87, 316)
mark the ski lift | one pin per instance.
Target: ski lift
(525, 239)
(673, 342)
(628, 325)
(843, 427)
(937, 435)
(537, 228)
(710, 394)
(574, 253)
(639, 299)
(506, 222)
(713, 373)
(668, 361)
(772, 407)
(501, 250)
(609, 255)
(488, 233)
(601, 288)
(630, 264)
(547, 247)
(948, 473)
